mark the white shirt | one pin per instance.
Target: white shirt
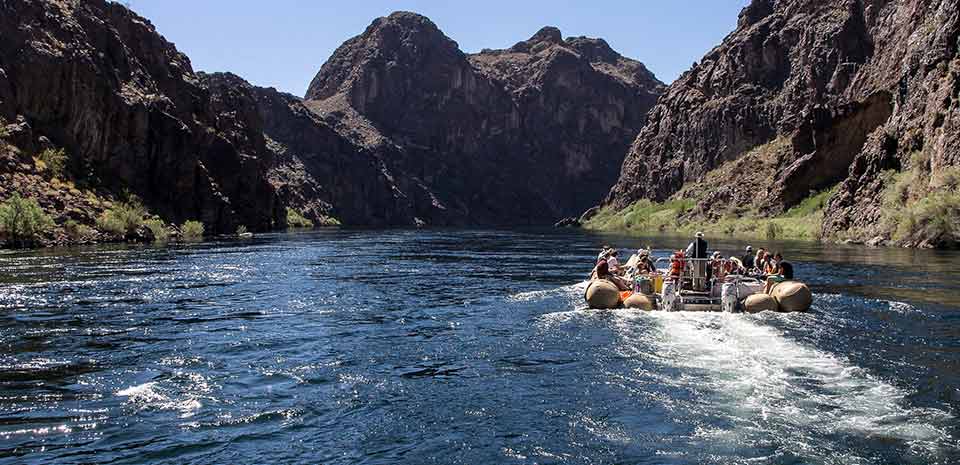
(613, 264)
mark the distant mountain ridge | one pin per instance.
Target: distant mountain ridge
(399, 127)
(855, 101)
(519, 136)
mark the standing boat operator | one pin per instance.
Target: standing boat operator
(697, 250)
(747, 259)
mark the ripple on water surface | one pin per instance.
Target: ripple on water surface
(459, 347)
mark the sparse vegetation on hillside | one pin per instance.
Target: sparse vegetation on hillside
(921, 207)
(52, 160)
(192, 231)
(296, 220)
(23, 221)
(643, 216)
(672, 217)
(78, 232)
(123, 218)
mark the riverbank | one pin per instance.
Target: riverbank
(683, 217)
(919, 208)
(45, 204)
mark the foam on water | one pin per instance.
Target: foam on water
(531, 296)
(152, 396)
(770, 388)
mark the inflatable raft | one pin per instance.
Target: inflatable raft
(733, 293)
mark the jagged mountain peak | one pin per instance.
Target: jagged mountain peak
(547, 34)
(569, 107)
(403, 39)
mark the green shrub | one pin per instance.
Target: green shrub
(78, 231)
(124, 218)
(241, 230)
(643, 216)
(920, 205)
(773, 231)
(329, 221)
(192, 231)
(22, 221)
(158, 229)
(53, 160)
(296, 219)
(934, 218)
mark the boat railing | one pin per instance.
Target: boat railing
(688, 275)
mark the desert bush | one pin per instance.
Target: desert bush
(158, 229)
(919, 205)
(296, 219)
(22, 221)
(54, 161)
(191, 230)
(241, 230)
(773, 231)
(123, 219)
(934, 218)
(329, 221)
(78, 231)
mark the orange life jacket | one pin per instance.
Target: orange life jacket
(677, 264)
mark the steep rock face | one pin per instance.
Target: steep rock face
(316, 170)
(96, 79)
(524, 135)
(579, 103)
(917, 61)
(853, 86)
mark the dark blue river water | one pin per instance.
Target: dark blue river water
(344, 347)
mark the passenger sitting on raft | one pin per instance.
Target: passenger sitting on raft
(640, 264)
(719, 267)
(603, 253)
(602, 271)
(644, 264)
(677, 264)
(760, 262)
(782, 272)
(747, 259)
(614, 263)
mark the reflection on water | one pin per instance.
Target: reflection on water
(464, 347)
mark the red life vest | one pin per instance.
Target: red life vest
(728, 266)
(677, 264)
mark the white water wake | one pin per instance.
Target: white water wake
(768, 388)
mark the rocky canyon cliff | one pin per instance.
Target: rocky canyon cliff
(523, 135)
(858, 97)
(398, 128)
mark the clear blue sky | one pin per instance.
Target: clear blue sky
(283, 43)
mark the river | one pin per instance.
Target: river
(448, 346)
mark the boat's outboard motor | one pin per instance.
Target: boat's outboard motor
(728, 297)
(670, 297)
